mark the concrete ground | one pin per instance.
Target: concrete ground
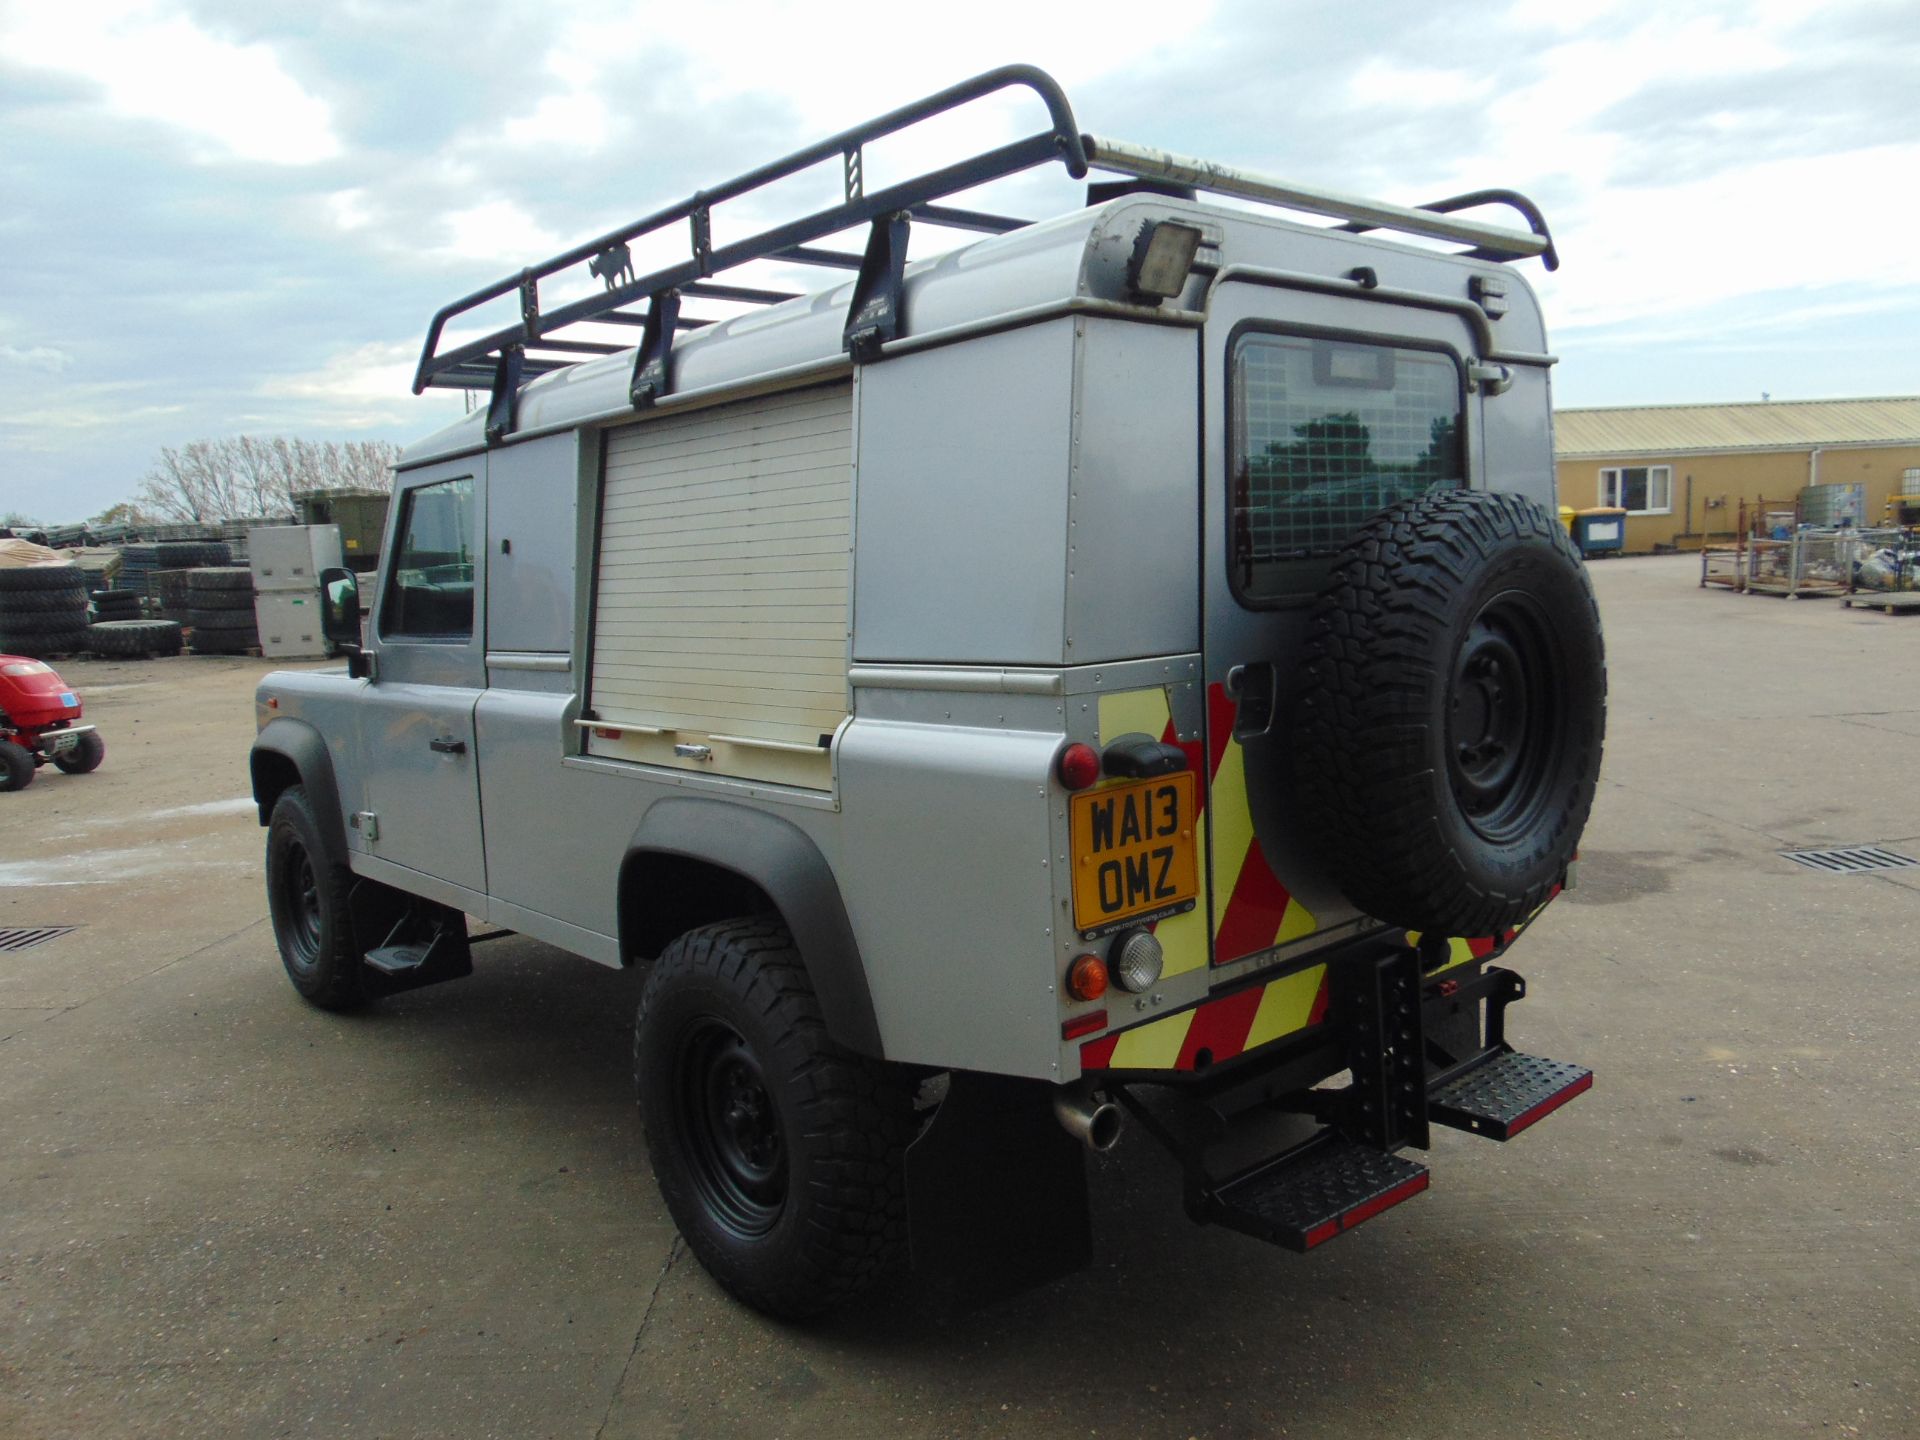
(223, 1213)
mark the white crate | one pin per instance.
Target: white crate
(289, 623)
(291, 557)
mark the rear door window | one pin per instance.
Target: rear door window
(1326, 433)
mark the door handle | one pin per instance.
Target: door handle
(447, 745)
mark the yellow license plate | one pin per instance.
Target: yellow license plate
(1133, 853)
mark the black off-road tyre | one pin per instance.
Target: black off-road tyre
(116, 597)
(43, 577)
(132, 639)
(222, 605)
(190, 554)
(307, 900)
(16, 766)
(221, 577)
(42, 644)
(31, 605)
(779, 1154)
(85, 757)
(1453, 706)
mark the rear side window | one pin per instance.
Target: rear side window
(1326, 433)
(430, 589)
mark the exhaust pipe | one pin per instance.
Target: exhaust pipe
(1094, 1123)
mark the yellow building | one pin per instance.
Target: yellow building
(1681, 471)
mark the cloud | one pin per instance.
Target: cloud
(155, 66)
(36, 357)
(225, 216)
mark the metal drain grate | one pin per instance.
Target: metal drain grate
(27, 939)
(1850, 862)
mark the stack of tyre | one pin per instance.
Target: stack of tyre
(137, 564)
(220, 611)
(142, 566)
(116, 604)
(43, 611)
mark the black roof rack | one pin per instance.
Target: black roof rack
(506, 358)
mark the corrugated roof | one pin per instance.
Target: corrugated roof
(1710, 429)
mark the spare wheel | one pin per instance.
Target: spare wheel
(1451, 713)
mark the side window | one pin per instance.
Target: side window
(1326, 433)
(430, 584)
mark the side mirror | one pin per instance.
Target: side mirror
(340, 608)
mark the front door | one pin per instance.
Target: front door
(1315, 422)
(417, 731)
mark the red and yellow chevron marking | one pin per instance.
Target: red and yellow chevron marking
(1251, 908)
(1220, 1029)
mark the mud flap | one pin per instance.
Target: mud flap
(996, 1194)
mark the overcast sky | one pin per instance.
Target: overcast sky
(235, 216)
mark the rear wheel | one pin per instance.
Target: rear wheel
(779, 1154)
(16, 766)
(85, 756)
(307, 899)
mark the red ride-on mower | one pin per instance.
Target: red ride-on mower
(40, 721)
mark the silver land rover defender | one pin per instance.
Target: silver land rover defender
(1123, 670)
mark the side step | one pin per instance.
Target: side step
(1504, 1093)
(1313, 1192)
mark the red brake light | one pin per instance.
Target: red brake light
(1079, 766)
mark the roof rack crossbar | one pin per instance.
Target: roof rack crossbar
(1493, 241)
(1550, 256)
(955, 219)
(608, 255)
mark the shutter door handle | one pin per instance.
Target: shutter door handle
(447, 745)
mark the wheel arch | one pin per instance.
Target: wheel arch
(289, 752)
(693, 861)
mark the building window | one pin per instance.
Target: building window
(1639, 489)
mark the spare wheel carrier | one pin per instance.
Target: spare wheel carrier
(1451, 713)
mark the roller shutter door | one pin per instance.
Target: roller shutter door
(721, 606)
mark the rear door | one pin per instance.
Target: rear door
(416, 729)
(1321, 409)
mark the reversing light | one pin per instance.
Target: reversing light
(1087, 978)
(1162, 258)
(1137, 960)
(1079, 766)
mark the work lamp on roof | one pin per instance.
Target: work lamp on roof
(1162, 258)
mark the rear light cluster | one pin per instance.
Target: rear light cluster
(1079, 766)
(1133, 963)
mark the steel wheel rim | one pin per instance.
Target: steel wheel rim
(729, 1129)
(1504, 718)
(300, 900)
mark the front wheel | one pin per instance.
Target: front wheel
(307, 898)
(16, 766)
(780, 1155)
(86, 755)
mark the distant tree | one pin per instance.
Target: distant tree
(125, 513)
(14, 520)
(207, 481)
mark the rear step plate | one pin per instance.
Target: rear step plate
(1504, 1094)
(1316, 1191)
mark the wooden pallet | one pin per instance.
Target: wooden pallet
(1905, 603)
